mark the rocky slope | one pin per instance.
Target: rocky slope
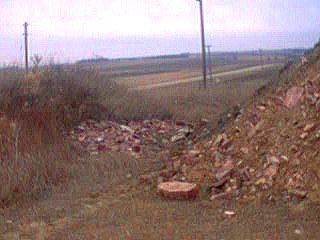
(272, 148)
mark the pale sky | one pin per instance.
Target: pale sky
(152, 19)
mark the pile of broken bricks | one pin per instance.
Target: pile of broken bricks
(106, 136)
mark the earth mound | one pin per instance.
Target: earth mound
(272, 148)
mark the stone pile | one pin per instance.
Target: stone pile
(270, 151)
(104, 136)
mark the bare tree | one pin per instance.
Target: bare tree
(36, 60)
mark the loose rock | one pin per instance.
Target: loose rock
(255, 129)
(224, 171)
(229, 213)
(293, 96)
(178, 190)
(298, 193)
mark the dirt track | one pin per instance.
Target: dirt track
(247, 70)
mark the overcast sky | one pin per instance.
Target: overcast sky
(151, 19)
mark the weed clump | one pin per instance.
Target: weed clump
(36, 112)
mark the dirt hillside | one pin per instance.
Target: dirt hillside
(272, 148)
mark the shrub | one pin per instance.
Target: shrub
(35, 156)
(36, 111)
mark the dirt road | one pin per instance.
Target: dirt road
(248, 70)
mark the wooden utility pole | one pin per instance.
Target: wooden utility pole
(210, 63)
(26, 45)
(261, 57)
(204, 64)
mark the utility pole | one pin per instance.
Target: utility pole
(210, 63)
(26, 45)
(261, 59)
(204, 64)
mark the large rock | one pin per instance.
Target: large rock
(178, 190)
(224, 171)
(178, 137)
(293, 96)
(256, 129)
(271, 171)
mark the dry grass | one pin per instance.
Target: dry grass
(35, 156)
(137, 81)
(148, 79)
(186, 101)
(127, 213)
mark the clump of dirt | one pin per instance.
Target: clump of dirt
(272, 148)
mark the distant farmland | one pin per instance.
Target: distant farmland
(130, 67)
(239, 76)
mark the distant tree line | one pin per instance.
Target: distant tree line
(104, 60)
